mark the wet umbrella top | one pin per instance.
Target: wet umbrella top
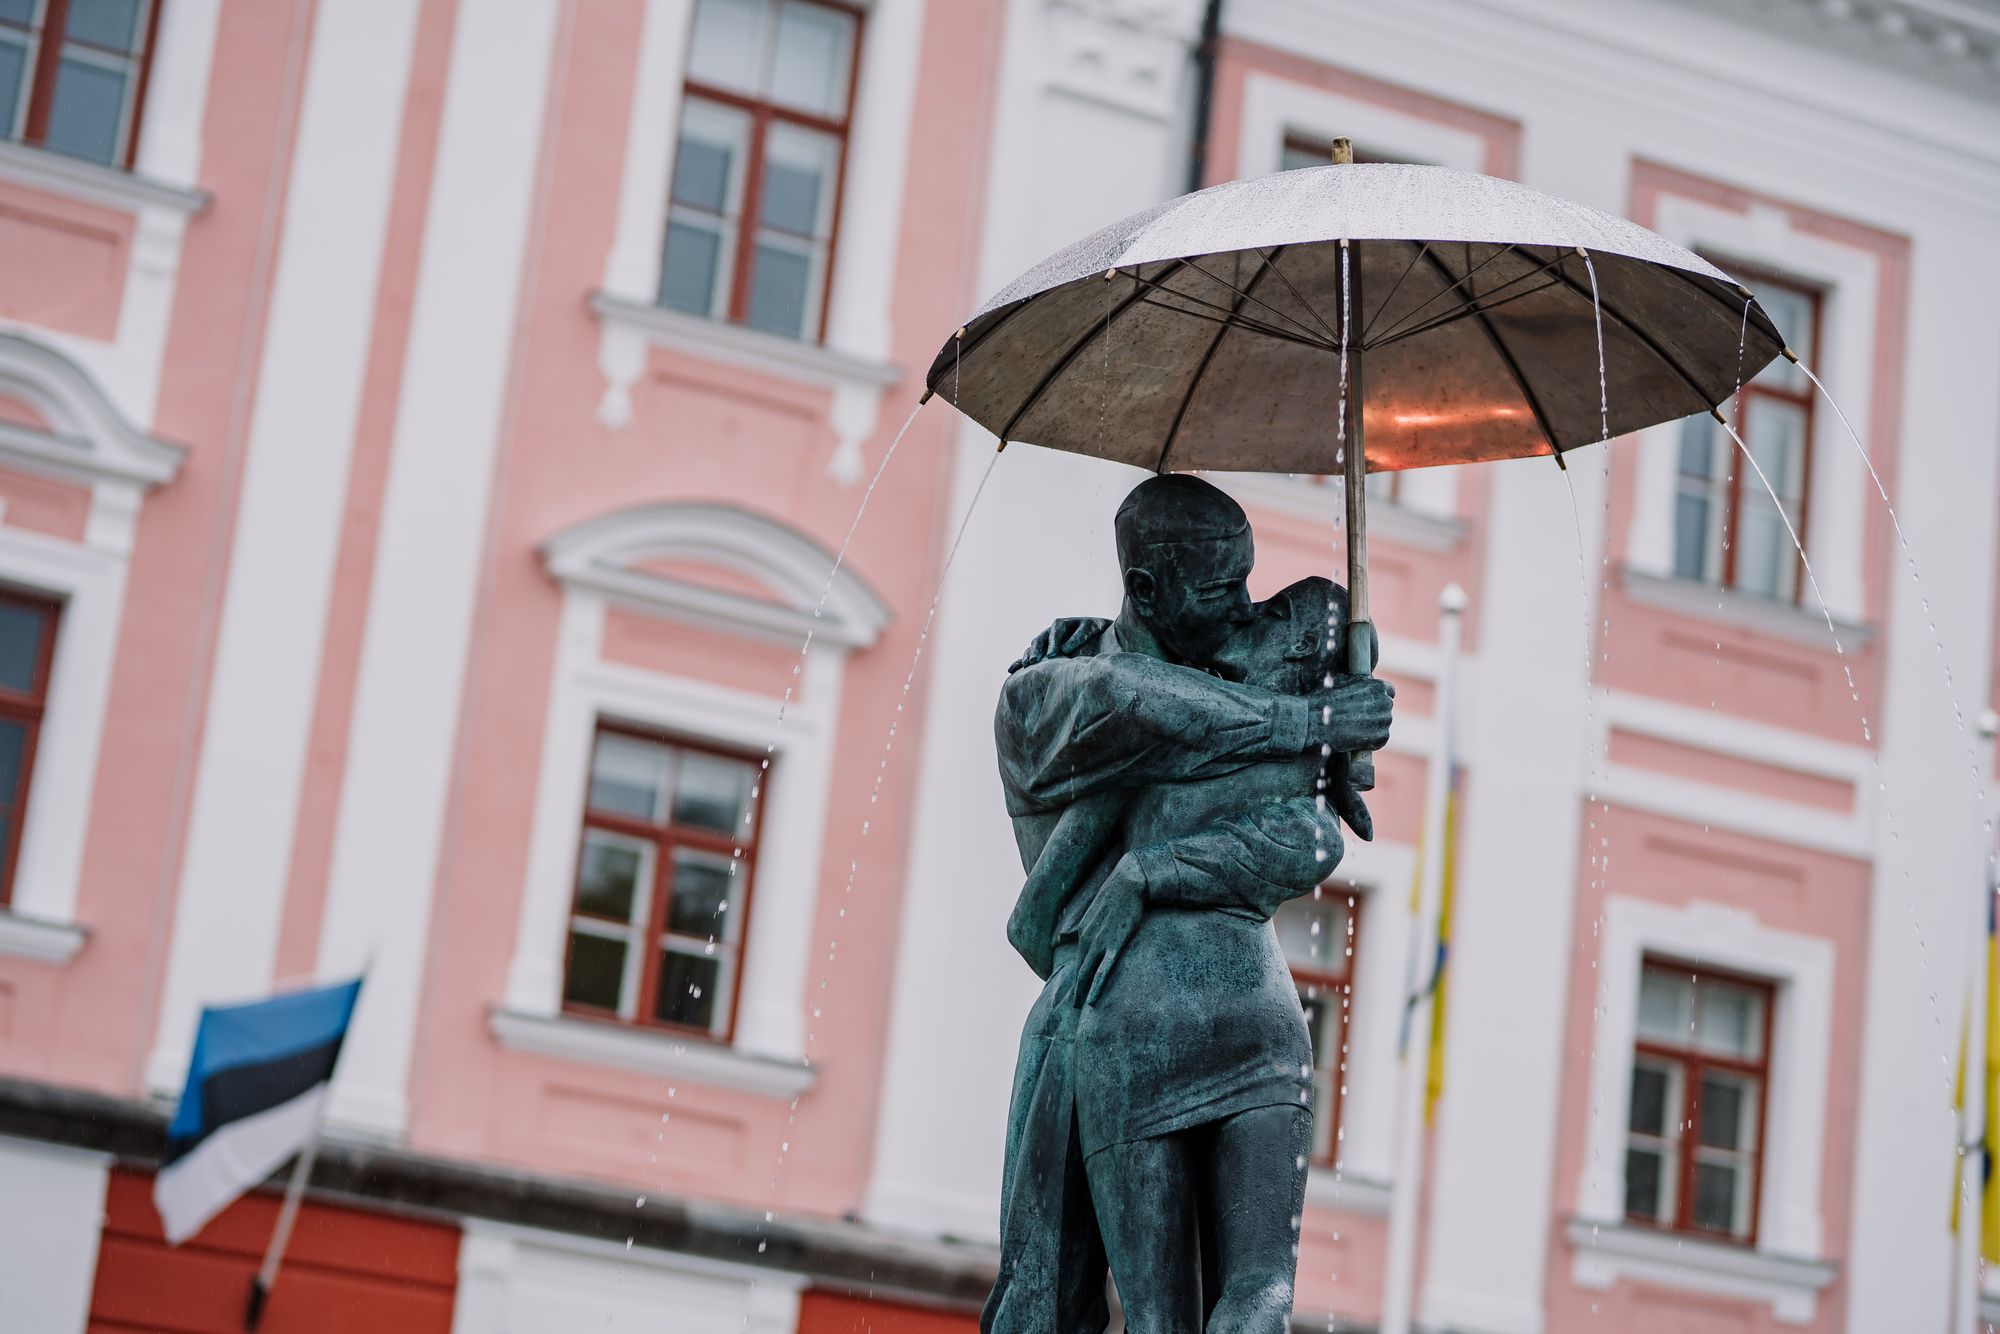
(1207, 332)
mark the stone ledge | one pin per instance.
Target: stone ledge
(74, 178)
(1603, 1253)
(651, 1053)
(43, 941)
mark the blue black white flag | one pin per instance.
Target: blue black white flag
(253, 1098)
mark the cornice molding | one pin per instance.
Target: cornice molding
(87, 439)
(1956, 39)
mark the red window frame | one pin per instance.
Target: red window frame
(667, 837)
(1753, 389)
(1693, 1062)
(762, 114)
(1330, 980)
(26, 708)
(50, 36)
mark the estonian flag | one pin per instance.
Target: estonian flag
(252, 1099)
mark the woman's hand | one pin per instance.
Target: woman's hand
(1065, 639)
(1107, 928)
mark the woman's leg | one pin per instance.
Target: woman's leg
(1253, 1186)
(1144, 1194)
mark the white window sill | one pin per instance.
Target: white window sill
(93, 183)
(40, 940)
(737, 345)
(1387, 519)
(1605, 1253)
(1802, 623)
(651, 1053)
(1349, 1194)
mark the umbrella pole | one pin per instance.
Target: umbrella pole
(1360, 630)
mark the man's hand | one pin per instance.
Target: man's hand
(1107, 928)
(1352, 714)
(1065, 639)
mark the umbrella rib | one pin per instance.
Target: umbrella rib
(1070, 356)
(1180, 413)
(1243, 294)
(1469, 308)
(986, 333)
(1652, 344)
(1238, 322)
(1271, 258)
(1513, 368)
(1229, 314)
(1459, 282)
(1423, 249)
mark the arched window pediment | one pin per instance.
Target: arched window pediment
(85, 437)
(771, 576)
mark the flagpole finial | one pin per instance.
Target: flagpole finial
(1989, 723)
(1452, 601)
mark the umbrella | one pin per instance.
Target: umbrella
(1423, 315)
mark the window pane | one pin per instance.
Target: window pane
(1791, 309)
(1296, 154)
(728, 45)
(1691, 511)
(1655, 1090)
(714, 792)
(1764, 552)
(1716, 1198)
(710, 158)
(18, 11)
(612, 876)
(1645, 1181)
(629, 777)
(810, 69)
(800, 170)
(692, 267)
(1727, 1112)
(1776, 433)
(1313, 933)
(1664, 1001)
(20, 645)
(688, 989)
(701, 897)
(596, 971)
(113, 24)
(1697, 454)
(781, 289)
(1730, 1019)
(89, 107)
(13, 85)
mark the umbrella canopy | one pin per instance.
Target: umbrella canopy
(1207, 332)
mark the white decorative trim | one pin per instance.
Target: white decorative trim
(1380, 874)
(44, 942)
(601, 556)
(90, 440)
(431, 546)
(1790, 1224)
(1838, 487)
(858, 334)
(1936, 39)
(1347, 1193)
(1745, 611)
(90, 183)
(596, 564)
(1604, 1253)
(1130, 55)
(288, 518)
(1740, 738)
(514, 1278)
(651, 1053)
(50, 1231)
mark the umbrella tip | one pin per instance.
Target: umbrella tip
(1343, 150)
(1558, 455)
(927, 397)
(1790, 355)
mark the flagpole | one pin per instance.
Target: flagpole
(1406, 1186)
(281, 1235)
(1973, 1079)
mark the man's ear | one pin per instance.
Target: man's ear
(1140, 586)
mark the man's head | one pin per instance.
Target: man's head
(1185, 552)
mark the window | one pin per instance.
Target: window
(757, 174)
(73, 74)
(662, 883)
(1700, 1069)
(1318, 939)
(27, 643)
(1726, 531)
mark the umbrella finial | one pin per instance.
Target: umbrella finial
(1343, 150)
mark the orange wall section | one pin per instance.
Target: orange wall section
(834, 1313)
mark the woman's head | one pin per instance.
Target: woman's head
(1295, 637)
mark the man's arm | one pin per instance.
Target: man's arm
(1254, 862)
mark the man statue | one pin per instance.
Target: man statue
(1172, 778)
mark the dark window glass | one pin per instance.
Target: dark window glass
(687, 989)
(596, 971)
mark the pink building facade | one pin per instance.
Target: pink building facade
(427, 430)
